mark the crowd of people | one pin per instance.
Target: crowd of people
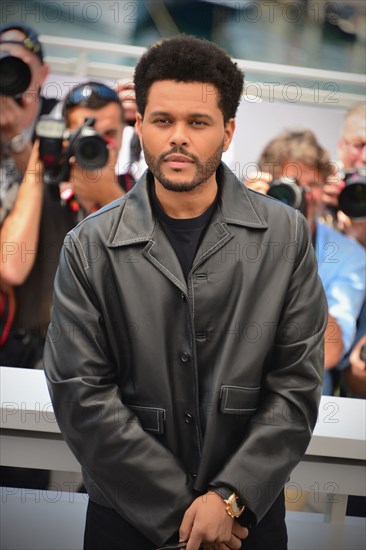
(34, 221)
(297, 155)
(45, 193)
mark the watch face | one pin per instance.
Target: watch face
(235, 507)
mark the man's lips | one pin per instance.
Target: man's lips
(178, 161)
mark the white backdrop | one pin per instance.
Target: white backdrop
(258, 122)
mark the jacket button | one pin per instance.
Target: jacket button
(184, 357)
(188, 418)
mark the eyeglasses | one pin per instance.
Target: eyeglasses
(358, 146)
(84, 92)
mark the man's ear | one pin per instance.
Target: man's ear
(138, 126)
(229, 132)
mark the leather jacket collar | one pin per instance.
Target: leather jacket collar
(136, 222)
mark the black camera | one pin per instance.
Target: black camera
(85, 144)
(15, 75)
(352, 199)
(288, 191)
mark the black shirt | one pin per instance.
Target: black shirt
(184, 234)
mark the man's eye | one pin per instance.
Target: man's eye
(162, 121)
(198, 123)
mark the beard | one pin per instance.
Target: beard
(204, 170)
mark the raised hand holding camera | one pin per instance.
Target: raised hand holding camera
(352, 199)
(16, 75)
(285, 189)
(82, 157)
(89, 148)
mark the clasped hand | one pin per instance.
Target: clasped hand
(207, 525)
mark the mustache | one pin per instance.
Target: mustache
(179, 151)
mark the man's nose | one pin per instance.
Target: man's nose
(179, 135)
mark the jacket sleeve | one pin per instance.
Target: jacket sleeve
(139, 477)
(278, 435)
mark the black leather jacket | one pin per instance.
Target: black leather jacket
(134, 355)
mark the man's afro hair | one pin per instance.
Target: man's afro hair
(185, 58)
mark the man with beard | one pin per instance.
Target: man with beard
(185, 353)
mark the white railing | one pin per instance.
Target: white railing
(332, 468)
(322, 83)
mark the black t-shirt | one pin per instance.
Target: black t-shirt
(184, 234)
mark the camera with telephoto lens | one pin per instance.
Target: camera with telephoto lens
(85, 144)
(15, 76)
(352, 199)
(288, 191)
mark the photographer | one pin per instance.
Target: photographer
(22, 74)
(351, 167)
(341, 261)
(97, 187)
(351, 222)
(33, 232)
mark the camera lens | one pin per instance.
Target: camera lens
(283, 193)
(352, 200)
(287, 191)
(15, 75)
(91, 152)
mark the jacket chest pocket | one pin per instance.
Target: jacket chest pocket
(151, 418)
(239, 400)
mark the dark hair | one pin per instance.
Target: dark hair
(90, 95)
(185, 58)
(294, 146)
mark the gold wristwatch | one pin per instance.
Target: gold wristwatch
(232, 507)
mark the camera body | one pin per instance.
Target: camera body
(85, 144)
(15, 75)
(352, 199)
(288, 191)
